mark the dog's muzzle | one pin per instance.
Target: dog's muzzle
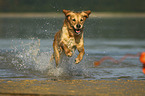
(77, 29)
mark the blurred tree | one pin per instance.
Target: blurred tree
(57, 5)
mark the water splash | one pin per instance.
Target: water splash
(26, 54)
(29, 57)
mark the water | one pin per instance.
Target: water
(26, 48)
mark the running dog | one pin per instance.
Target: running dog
(70, 37)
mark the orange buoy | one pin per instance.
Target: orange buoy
(142, 57)
(143, 68)
(142, 60)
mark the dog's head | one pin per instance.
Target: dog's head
(76, 19)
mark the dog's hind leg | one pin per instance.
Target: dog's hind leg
(52, 58)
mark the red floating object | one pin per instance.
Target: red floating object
(143, 69)
(142, 57)
(96, 63)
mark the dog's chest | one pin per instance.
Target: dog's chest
(69, 41)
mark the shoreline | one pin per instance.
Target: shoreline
(72, 87)
(61, 15)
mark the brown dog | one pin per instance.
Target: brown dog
(70, 36)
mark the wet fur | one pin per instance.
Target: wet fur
(70, 37)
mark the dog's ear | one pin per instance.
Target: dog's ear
(66, 12)
(87, 13)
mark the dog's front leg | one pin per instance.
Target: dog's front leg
(66, 49)
(81, 54)
(56, 55)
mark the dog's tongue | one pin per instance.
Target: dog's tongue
(78, 31)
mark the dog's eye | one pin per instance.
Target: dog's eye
(81, 20)
(74, 19)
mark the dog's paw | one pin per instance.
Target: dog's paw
(77, 61)
(69, 54)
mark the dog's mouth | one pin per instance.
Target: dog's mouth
(77, 31)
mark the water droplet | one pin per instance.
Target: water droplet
(104, 52)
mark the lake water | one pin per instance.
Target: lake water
(26, 47)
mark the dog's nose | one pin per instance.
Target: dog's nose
(78, 25)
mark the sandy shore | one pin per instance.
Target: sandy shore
(72, 87)
(61, 15)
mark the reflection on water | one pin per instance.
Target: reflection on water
(25, 58)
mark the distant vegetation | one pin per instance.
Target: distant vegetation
(58, 5)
